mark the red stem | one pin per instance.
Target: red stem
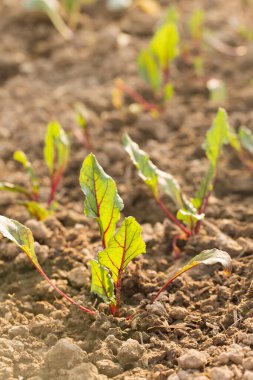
(169, 282)
(69, 299)
(118, 297)
(55, 180)
(138, 98)
(172, 217)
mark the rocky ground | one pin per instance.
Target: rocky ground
(202, 327)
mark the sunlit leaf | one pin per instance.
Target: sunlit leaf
(122, 248)
(165, 44)
(246, 139)
(101, 282)
(81, 115)
(23, 238)
(172, 14)
(21, 157)
(20, 235)
(151, 175)
(56, 149)
(148, 69)
(196, 24)
(217, 136)
(189, 218)
(37, 210)
(207, 257)
(102, 201)
(168, 91)
(6, 186)
(146, 169)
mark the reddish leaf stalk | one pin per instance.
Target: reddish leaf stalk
(55, 180)
(69, 299)
(173, 218)
(164, 287)
(138, 98)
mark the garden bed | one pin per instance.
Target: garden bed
(202, 327)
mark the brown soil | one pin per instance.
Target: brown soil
(41, 78)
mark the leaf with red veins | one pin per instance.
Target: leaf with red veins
(122, 248)
(102, 201)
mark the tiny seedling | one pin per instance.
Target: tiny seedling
(155, 62)
(154, 65)
(63, 14)
(242, 142)
(190, 212)
(81, 129)
(56, 154)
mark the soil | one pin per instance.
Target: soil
(202, 327)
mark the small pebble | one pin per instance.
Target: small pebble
(130, 352)
(192, 359)
(218, 373)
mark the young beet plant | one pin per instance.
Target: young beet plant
(190, 211)
(121, 246)
(56, 154)
(154, 64)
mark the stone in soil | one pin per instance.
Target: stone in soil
(192, 359)
(64, 354)
(130, 352)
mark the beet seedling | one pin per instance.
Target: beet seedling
(103, 203)
(190, 212)
(81, 131)
(154, 65)
(155, 62)
(56, 154)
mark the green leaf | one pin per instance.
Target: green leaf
(37, 210)
(149, 70)
(217, 136)
(102, 200)
(207, 257)
(196, 24)
(152, 176)
(172, 14)
(20, 235)
(234, 140)
(101, 282)
(56, 149)
(81, 115)
(21, 157)
(122, 248)
(165, 44)
(6, 186)
(246, 139)
(146, 169)
(168, 91)
(171, 187)
(23, 238)
(189, 218)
